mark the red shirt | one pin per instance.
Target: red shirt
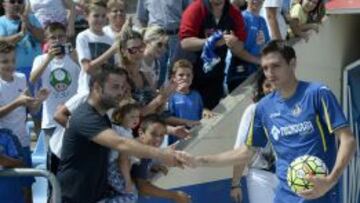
(196, 14)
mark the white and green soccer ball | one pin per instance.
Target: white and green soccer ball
(300, 168)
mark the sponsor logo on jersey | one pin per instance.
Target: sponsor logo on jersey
(303, 128)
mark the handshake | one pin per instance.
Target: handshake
(180, 159)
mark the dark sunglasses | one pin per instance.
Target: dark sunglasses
(135, 50)
(15, 1)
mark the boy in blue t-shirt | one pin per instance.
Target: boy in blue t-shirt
(151, 132)
(10, 157)
(298, 118)
(185, 105)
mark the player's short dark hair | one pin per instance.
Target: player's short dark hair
(102, 73)
(281, 47)
(6, 47)
(151, 119)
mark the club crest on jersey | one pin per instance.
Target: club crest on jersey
(297, 110)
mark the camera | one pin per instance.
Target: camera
(64, 48)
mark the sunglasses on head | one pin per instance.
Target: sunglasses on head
(135, 50)
(15, 1)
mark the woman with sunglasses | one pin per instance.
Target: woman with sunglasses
(156, 40)
(132, 49)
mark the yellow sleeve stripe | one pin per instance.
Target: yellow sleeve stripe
(327, 117)
(321, 133)
(266, 133)
(250, 135)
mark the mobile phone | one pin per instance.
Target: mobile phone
(64, 48)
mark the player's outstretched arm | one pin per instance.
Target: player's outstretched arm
(344, 155)
(240, 155)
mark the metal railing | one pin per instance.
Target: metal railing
(21, 172)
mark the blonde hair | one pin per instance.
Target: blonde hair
(114, 3)
(127, 33)
(153, 32)
(182, 63)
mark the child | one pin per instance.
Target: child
(57, 72)
(125, 118)
(151, 132)
(300, 14)
(185, 105)
(22, 30)
(10, 157)
(116, 16)
(92, 45)
(15, 99)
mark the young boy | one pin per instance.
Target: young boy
(185, 105)
(151, 132)
(15, 99)
(93, 46)
(24, 31)
(57, 72)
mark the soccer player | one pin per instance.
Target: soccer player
(303, 119)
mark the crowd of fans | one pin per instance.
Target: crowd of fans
(179, 58)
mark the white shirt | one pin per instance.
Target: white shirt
(90, 46)
(15, 120)
(258, 161)
(61, 78)
(109, 32)
(124, 132)
(283, 27)
(55, 142)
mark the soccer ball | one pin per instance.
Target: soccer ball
(300, 168)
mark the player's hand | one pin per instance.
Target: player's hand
(181, 197)
(321, 186)
(173, 158)
(236, 194)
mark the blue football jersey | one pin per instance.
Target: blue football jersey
(303, 124)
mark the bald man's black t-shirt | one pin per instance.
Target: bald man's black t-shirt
(83, 165)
